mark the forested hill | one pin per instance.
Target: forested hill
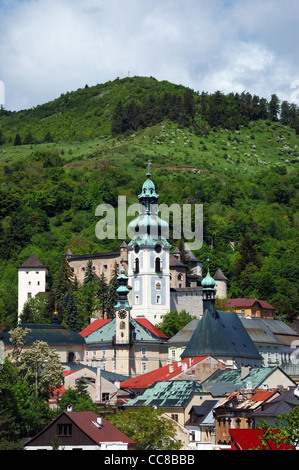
(235, 154)
(134, 103)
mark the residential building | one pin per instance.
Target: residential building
(69, 346)
(282, 404)
(197, 368)
(201, 426)
(237, 412)
(224, 382)
(176, 397)
(81, 431)
(275, 341)
(252, 308)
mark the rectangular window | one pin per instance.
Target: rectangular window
(143, 351)
(143, 367)
(29, 295)
(64, 430)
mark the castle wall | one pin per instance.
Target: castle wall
(189, 299)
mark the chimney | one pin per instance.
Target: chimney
(99, 421)
(98, 384)
(245, 371)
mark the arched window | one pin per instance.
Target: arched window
(158, 265)
(71, 357)
(122, 325)
(136, 268)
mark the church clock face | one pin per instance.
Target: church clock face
(122, 314)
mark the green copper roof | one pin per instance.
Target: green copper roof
(172, 393)
(106, 333)
(208, 282)
(148, 189)
(257, 376)
(148, 228)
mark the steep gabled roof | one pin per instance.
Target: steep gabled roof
(219, 276)
(222, 335)
(32, 262)
(86, 422)
(104, 330)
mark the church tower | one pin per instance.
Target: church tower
(122, 339)
(122, 311)
(148, 264)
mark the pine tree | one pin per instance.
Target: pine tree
(17, 140)
(112, 294)
(64, 284)
(102, 294)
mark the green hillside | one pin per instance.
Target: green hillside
(236, 154)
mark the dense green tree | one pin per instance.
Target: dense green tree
(173, 322)
(147, 427)
(274, 107)
(79, 401)
(17, 140)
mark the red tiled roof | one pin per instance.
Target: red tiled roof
(97, 324)
(262, 395)
(149, 326)
(94, 326)
(239, 303)
(106, 433)
(86, 421)
(249, 439)
(162, 374)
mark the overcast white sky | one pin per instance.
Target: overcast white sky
(49, 47)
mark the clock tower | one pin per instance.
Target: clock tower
(122, 311)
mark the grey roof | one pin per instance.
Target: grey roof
(185, 334)
(204, 411)
(219, 276)
(110, 376)
(231, 380)
(280, 405)
(221, 334)
(171, 393)
(33, 262)
(53, 335)
(269, 331)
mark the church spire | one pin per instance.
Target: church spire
(122, 290)
(209, 292)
